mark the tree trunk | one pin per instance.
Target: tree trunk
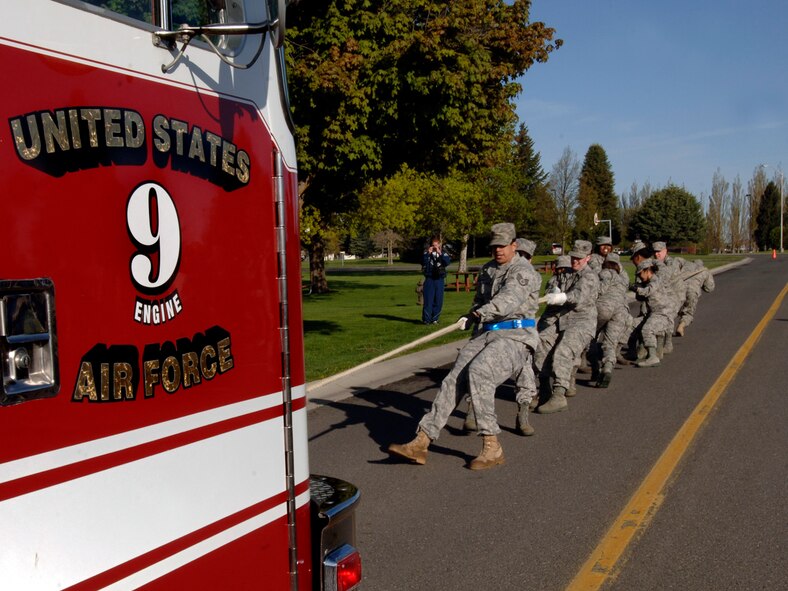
(390, 249)
(463, 268)
(317, 266)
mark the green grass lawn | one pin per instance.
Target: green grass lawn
(369, 313)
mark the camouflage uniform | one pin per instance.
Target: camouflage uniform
(670, 270)
(660, 304)
(525, 378)
(503, 292)
(702, 281)
(595, 262)
(597, 259)
(548, 321)
(613, 317)
(576, 328)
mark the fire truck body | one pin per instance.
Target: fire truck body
(153, 402)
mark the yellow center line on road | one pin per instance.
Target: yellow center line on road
(605, 562)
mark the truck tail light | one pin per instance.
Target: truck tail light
(342, 569)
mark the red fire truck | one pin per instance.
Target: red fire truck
(153, 404)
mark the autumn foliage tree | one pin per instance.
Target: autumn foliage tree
(425, 84)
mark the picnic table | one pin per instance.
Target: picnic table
(464, 279)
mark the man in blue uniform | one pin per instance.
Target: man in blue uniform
(433, 264)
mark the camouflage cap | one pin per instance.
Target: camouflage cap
(637, 246)
(502, 234)
(647, 264)
(602, 240)
(657, 246)
(613, 258)
(563, 262)
(526, 246)
(582, 248)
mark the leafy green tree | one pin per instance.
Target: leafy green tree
(423, 83)
(768, 218)
(391, 206)
(455, 208)
(596, 195)
(672, 214)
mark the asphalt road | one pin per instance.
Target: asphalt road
(532, 523)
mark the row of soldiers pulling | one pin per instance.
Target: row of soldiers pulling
(506, 342)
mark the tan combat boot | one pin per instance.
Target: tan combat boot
(652, 360)
(523, 426)
(415, 450)
(469, 424)
(492, 454)
(557, 402)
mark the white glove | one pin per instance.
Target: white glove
(556, 299)
(468, 320)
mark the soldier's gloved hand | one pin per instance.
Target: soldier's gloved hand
(556, 299)
(633, 287)
(469, 320)
(465, 322)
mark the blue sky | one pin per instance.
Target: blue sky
(672, 90)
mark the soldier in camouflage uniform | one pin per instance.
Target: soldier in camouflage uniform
(548, 321)
(525, 381)
(702, 280)
(659, 303)
(548, 325)
(604, 246)
(503, 311)
(671, 269)
(613, 317)
(576, 328)
(640, 252)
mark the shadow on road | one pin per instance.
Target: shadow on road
(392, 416)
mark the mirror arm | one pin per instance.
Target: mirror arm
(185, 34)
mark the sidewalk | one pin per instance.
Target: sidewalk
(380, 374)
(398, 368)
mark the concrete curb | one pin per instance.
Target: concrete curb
(392, 370)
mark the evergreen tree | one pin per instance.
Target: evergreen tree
(539, 216)
(768, 219)
(597, 196)
(672, 214)
(361, 246)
